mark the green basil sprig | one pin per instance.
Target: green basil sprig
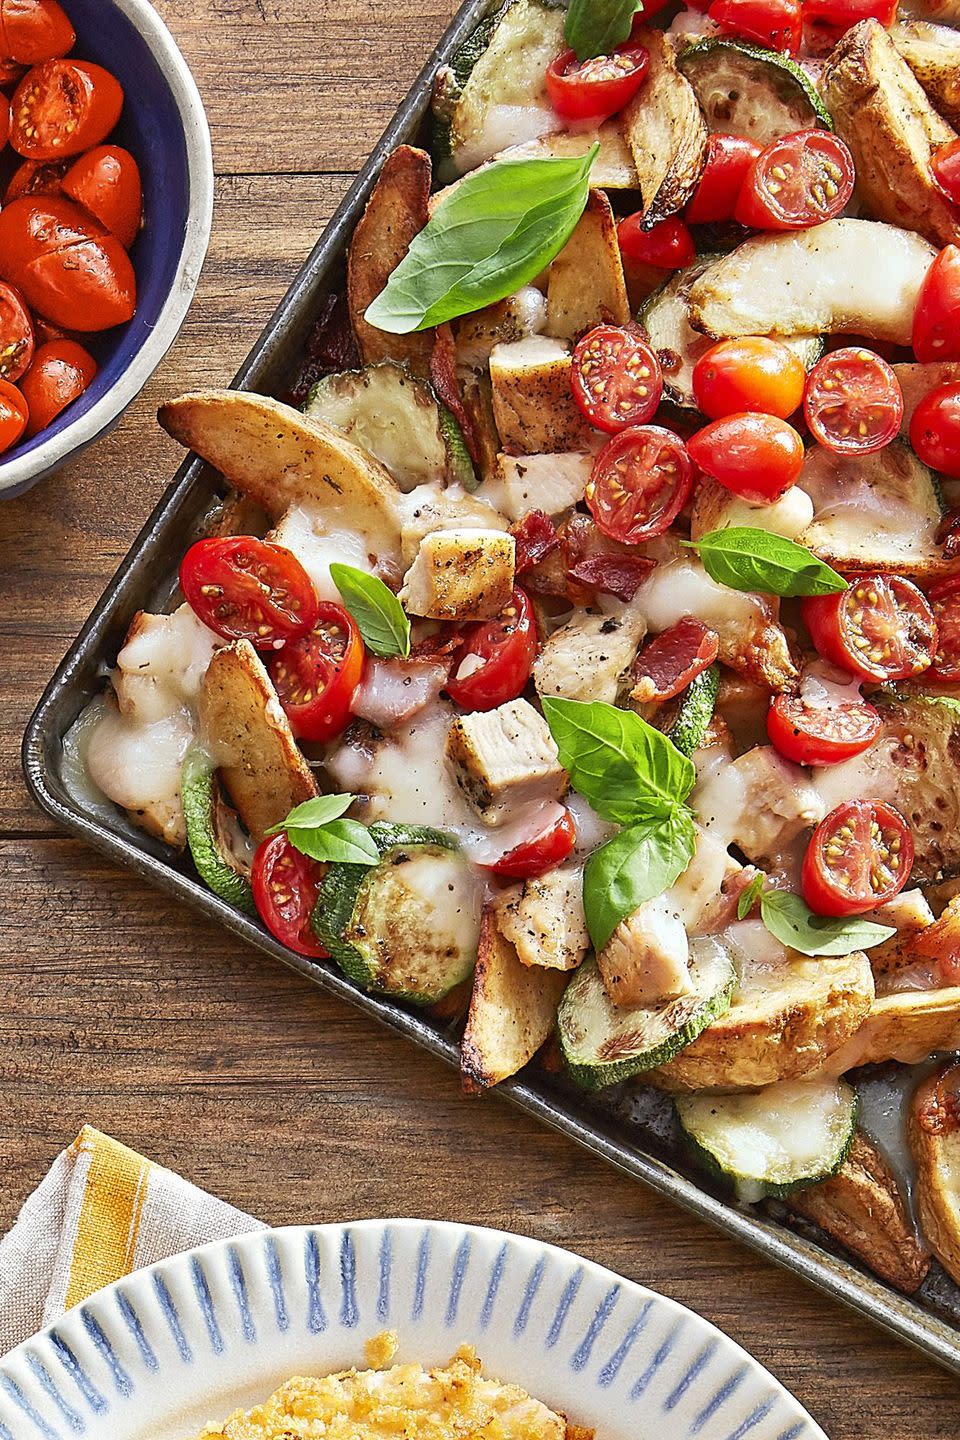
(744, 557)
(791, 921)
(494, 232)
(379, 615)
(595, 27)
(636, 865)
(316, 829)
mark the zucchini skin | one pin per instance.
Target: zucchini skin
(197, 784)
(770, 59)
(696, 711)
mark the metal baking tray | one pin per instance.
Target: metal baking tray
(631, 1128)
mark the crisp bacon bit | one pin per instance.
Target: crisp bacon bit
(536, 537)
(593, 562)
(940, 1114)
(948, 534)
(667, 663)
(443, 377)
(330, 348)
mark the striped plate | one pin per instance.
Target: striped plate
(159, 1353)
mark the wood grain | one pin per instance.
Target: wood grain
(121, 1009)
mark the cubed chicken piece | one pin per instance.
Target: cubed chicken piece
(502, 759)
(646, 958)
(460, 575)
(759, 803)
(588, 658)
(909, 913)
(543, 919)
(532, 401)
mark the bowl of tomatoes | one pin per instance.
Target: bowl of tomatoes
(106, 179)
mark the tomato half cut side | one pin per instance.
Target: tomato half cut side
(34, 30)
(756, 456)
(821, 734)
(799, 180)
(859, 857)
(316, 675)
(880, 628)
(17, 336)
(13, 415)
(753, 373)
(537, 856)
(615, 378)
(935, 430)
(853, 403)
(248, 589)
(597, 88)
(285, 884)
(945, 603)
(639, 483)
(495, 657)
(63, 107)
(106, 181)
(729, 158)
(36, 177)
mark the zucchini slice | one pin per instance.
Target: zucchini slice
(746, 90)
(603, 1044)
(695, 711)
(398, 420)
(201, 801)
(409, 926)
(776, 1140)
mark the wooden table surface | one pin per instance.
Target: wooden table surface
(120, 1009)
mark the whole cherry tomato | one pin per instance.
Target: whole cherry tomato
(935, 429)
(799, 180)
(61, 371)
(859, 857)
(936, 318)
(34, 30)
(729, 158)
(945, 168)
(752, 373)
(13, 415)
(829, 19)
(667, 245)
(68, 267)
(853, 402)
(597, 88)
(17, 335)
(880, 628)
(944, 600)
(639, 483)
(537, 856)
(758, 457)
(62, 108)
(285, 884)
(106, 181)
(317, 674)
(777, 24)
(615, 378)
(249, 589)
(495, 658)
(821, 734)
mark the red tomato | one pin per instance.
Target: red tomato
(17, 338)
(756, 456)
(11, 72)
(13, 415)
(285, 885)
(774, 23)
(667, 245)
(945, 169)
(879, 628)
(615, 378)
(36, 177)
(671, 660)
(945, 603)
(536, 857)
(248, 589)
(729, 157)
(752, 373)
(495, 657)
(106, 181)
(821, 734)
(935, 429)
(69, 269)
(859, 857)
(639, 483)
(316, 675)
(597, 88)
(797, 181)
(936, 318)
(853, 403)
(61, 371)
(34, 30)
(830, 18)
(62, 108)
(535, 537)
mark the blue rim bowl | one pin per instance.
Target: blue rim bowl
(164, 126)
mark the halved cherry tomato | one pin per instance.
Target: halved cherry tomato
(248, 589)
(316, 675)
(4, 120)
(945, 603)
(36, 177)
(859, 857)
(13, 415)
(667, 245)
(62, 108)
(11, 73)
(61, 371)
(615, 378)
(34, 30)
(536, 857)
(597, 88)
(495, 658)
(829, 19)
(17, 337)
(945, 169)
(729, 157)
(67, 266)
(671, 660)
(935, 429)
(799, 180)
(752, 373)
(639, 483)
(106, 181)
(774, 23)
(285, 884)
(880, 628)
(756, 456)
(853, 403)
(824, 734)
(936, 317)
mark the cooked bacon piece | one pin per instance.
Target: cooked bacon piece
(443, 378)
(593, 562)
(536, 537)
(330, 348)
(669, 661)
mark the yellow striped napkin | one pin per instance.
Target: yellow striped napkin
(101, 1211)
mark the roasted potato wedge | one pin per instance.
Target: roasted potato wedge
(934, 1138)
(585, 285)
(613, 168)
(933, 54)
(906, 1025)
(666, 133)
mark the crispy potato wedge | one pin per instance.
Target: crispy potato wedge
(906, 1025)
(278, 457)
(396, 212)
(863, 1209)
(781, 1024)
(933, 54)
(585, 286)
(513, 1010)
(244, 723)
(535, 411)
(881, 110)
(666, 133)
(916, 381)
(935, 1144)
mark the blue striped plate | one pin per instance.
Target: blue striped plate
(186, 1341)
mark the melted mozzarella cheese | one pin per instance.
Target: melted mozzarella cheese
(301, 530)
(393, 691)
(788, 516)
(682, 587)
(162, 664)
(138, 765)
(453, 897)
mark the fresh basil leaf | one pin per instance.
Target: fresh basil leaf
(639, 863)
(345, 841)
(493, 233)
(793, 923)
(313, 813)
(749, 897)
(746, 558)
(627, 769)
(595, 27)
(379, 615)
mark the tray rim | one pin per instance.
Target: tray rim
(899, 1315)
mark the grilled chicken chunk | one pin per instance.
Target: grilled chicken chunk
(646, 958)
(504, 758)
(460, 575)
(587, 658)
(760, 803)
(543, 919)
(532, 403)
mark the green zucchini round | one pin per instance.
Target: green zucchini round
(199, 797)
